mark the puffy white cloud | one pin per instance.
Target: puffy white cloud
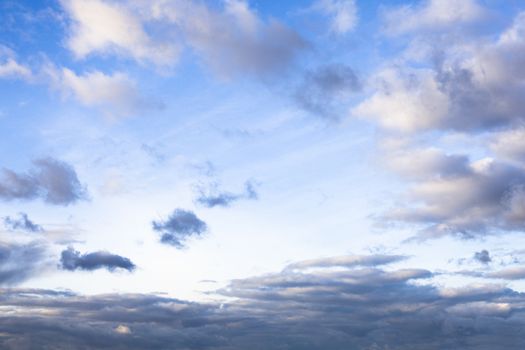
(100, 26)
(468, 87)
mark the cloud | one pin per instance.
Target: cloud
(483, 257)
(509, 144)
(347, 261)
(431, 15)
(342, 13)
(107, 27)
(367, 307)
(22, 223)
(224, 199)
(10, 68)
(471, 87)
(246, 44)
(462, 197)
(326, 86)
(178, 227)
(512, 273)
(72, 260)
(53, 181)
(115, 93)
(232, 40)
(18, 262)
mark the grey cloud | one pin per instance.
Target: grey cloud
(72, 260)
(246, 44)
(214, 197)
(511, 273)
(451, 195)
(22, 223)
(482, 256)
(325, 87)
(19, 262)
(364, 308)
(54, 181)
(178, 227)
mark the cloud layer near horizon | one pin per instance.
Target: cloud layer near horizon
(368, 307)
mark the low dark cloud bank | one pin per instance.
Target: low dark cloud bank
(22, 223)
(73, 260)
(361, 308)
(178, 227)
(214, 197)
(51, 180)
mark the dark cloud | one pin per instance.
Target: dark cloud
(73, 260)
(483, 256)
(18, 262)
(52, 180)
(322, 89)
(354, 308)
(23, 223)
(214, 197)
(179, 226)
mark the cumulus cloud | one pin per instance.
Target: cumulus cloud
(483, 256)
(470, 87)
(104, 27)
(467, 199)
(54, 181)
(178, 227)
(231, 39)
(325, 87)
(431, 15)
(342, 14)
(367, 307)
(23, 223)
(213, 197)
(19, 262)
(72, 260)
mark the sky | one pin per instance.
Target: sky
(251, 174)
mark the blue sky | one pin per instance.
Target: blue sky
(333, 159)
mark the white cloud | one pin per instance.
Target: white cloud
(431, 14)
(466, 87)
(115, 93)
(509, 144)
(10, 68)
(103, 27)
(230, 40)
